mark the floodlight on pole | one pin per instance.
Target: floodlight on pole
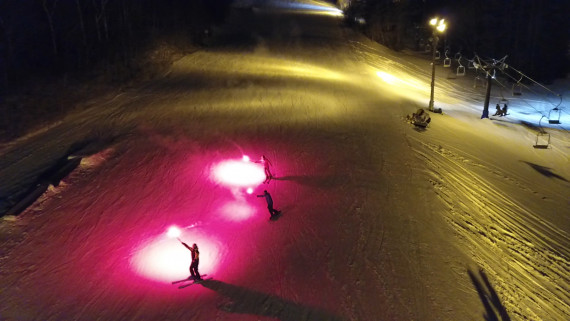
(438, 26)
(441, 27)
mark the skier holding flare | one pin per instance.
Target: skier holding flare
(173, 231)
(195, 261)
(266, 166)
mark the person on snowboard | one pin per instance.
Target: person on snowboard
(269, 201)
(419, 117)
(195, 261)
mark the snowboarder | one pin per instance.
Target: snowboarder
(266, 165)
(498, 112)
(269, 201)
(504, 110)
(419, 118)
(195, 261)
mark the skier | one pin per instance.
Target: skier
(266, 164)
(195, 261)
(269, 201)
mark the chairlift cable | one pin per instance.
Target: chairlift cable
(531, 90)
(486, 65)
(534, 81)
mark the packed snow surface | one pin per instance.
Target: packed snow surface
(381, 221)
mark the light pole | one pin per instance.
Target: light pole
(438, 26)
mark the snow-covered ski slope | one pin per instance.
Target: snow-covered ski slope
(380, 221)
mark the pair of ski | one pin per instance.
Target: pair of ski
(191, 281)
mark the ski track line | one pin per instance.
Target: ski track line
(559, 237)
(467, 159)
(506, 239)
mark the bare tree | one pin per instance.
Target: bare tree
(101, 18)
(81, 22)
(49, 11)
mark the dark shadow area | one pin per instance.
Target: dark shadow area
(504, 120)
(245, 301)
(246, 28)
(52, 176)
(233, 42)
(316, 181)
(501, 122)
(545, 171)
(494, 309)
(15, 201)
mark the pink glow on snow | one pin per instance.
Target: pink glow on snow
(236, 173)
(238, 211)
(165, 259)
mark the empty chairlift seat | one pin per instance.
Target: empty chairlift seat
(554, 118)
(447, 60)
(437, 55)
(517, 89)
(461, 70)
(542, 140)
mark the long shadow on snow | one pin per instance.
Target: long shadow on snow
(545, 171)
(246, 301)
(533, 127)
(494, 309)
(316, 181)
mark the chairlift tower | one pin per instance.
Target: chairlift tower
(489, 66)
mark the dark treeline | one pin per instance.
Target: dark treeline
(533, 33)
(40, 38)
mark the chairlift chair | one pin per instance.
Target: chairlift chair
(517, 88)
(471, 64)
(479, 82)
(542, 140)
(556, 118)
(447, 60)
(461, 70)
(437, 55)
(542, 137)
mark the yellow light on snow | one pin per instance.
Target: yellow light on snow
(392, 80)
